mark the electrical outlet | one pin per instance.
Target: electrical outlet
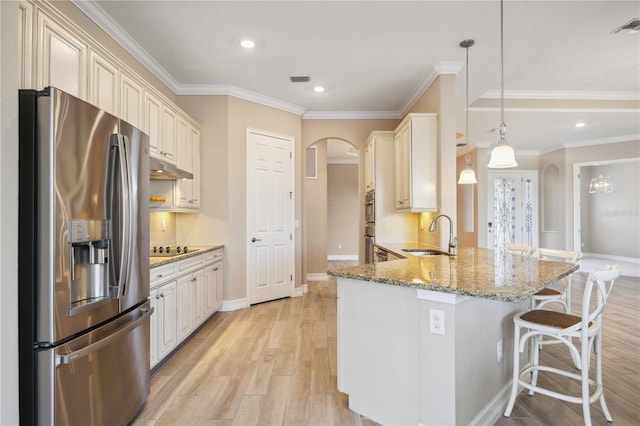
(339, 246)
(436, 321)
(499, 350)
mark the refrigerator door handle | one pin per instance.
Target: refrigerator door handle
(122, 239)
(76, 355)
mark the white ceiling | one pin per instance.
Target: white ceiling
(562, 62)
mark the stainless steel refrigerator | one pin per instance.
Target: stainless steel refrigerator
(83, 263)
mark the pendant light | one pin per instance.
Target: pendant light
(502, 156)
(467, 176)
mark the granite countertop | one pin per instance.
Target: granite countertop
(473, 272)
(159, 261)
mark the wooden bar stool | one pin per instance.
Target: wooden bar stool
(560, 326)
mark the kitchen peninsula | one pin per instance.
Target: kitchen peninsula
(427, 339)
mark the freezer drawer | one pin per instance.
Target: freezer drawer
(101, 378)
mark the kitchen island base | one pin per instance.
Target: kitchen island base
(396, 371)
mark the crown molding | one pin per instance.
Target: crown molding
(351, 115)
(111, 27)
(551, 109)
(563, 95)
(452, 67)
(437, 70)
(568, 145)
(418, 91)
(237, 92)
(603, 141)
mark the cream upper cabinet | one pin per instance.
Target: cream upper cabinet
(416, 163)
(104, 83)
(25, 45)
(187, 191)
(153, 124)
(61, 58)
(131, 101)
(169, 134)
(160, 125)
(195, 167)
(370, 166)
(183, 144)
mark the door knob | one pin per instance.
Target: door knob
(254, 239)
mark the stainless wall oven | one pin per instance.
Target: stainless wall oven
(369, 226)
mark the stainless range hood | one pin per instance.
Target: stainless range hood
(162, 170)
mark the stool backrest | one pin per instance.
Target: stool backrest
(560, 255)
(600, 283)
(521, 249)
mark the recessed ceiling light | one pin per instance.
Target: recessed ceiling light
(318, 89)
(580, 124)
(247, 44)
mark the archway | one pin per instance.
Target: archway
(331, 204)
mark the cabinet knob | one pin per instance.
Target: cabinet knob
(162, 295)
(159, 276)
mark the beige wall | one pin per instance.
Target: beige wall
(315, 215)
(343, 205)
(8, 213)
(553, 238)
(611, 221)
(222, 217)
(440, 98)
(355, 132)
(605, 152)
(467, 204)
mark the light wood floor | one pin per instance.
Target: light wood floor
(275, 364)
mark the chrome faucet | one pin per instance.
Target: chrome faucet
(452, 240)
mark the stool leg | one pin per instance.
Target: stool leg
(536, 360)
(516, 371)
(584, 373)
(603, 403)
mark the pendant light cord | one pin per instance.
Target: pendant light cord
(502, 66)
(466, 118)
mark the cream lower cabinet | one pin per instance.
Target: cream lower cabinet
(163, 321)
(184, 294)
(213, 276)
(191, 289)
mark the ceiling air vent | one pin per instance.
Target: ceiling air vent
(300, 79)
(631, 27)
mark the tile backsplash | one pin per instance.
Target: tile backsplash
(426, 237)
(162, 228)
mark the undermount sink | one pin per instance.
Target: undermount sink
(425, 253)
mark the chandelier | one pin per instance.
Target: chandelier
(601, 184)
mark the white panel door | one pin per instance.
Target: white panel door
(269, 216)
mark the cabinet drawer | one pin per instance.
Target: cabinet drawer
(213, 256)
(162, 273)
(190, 264)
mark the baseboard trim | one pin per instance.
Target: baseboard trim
(234, 305)
(610, 257)
(317, 277)
(494, 410)
(342, 257)
(300, 291)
